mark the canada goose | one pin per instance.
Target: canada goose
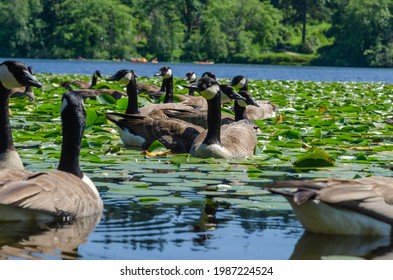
(93, 93)
(24, 91)
(190, 77)
(62, 194)
(139, 130)
(264, 110)
(82, 84)
(152, 90)
(236, 140)
(361, 206)
(13, 74)
(199, 117)
(140, 127)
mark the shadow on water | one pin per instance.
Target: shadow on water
(29, 240)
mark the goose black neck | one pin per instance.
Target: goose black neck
(70, 148)
(93, 81)
(132, 107)
(6, 143)
(239, 111)
(168, 90)
(213, 120)
(191, 91)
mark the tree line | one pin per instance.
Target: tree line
(328, 32)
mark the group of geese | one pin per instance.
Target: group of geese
(331, 206)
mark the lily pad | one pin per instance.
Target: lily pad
(315, 157)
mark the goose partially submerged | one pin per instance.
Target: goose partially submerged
(63, 194)
(361, 206)
(13, 74)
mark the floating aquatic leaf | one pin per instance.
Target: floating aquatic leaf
(314, 157)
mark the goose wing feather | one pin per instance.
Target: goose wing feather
(52, 192)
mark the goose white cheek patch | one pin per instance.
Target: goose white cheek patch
(241, 83)
(8, 80)
(168, 74)
(210, 92)
(126, 79)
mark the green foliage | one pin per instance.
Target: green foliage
(363, 34)
(331, 32)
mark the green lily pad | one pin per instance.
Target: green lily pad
(315, 157)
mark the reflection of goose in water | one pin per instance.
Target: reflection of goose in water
(313, 246)
(27, 241)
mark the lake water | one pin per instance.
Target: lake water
(202, 229)
(255, 72)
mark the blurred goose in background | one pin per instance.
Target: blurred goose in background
(87, 89)
(341, 206)
(72, 85)
(153, 91)
(128, 77)
(236, 140)
(264, 110)
(190, 77)
(24, 91)
(94, 93)
(13, 74)
(56, 195)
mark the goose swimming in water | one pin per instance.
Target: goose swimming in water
(361, 206)
(63, 194)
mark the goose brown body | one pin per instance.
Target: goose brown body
(62, 194)
(236, 140)
(361, 206)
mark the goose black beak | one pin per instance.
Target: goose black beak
(30, 80)
(111, 78)
(252, 102)
(232, 94)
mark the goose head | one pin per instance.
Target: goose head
(239, 82)
(15, 74)
(190, 77)
(165, 72)
(248, 99)
(97, 74)
(210, 88)
(123, 76)
(209, 74)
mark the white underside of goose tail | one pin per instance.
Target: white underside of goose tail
(319, 217)
(129, 138)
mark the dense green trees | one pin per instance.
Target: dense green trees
(360, 31)
(363, 31)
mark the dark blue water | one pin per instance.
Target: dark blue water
(256, 72)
